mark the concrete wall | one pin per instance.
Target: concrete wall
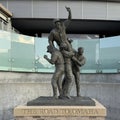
(18, 88)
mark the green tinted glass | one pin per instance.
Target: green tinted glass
(109, 54)
(41, 64)
(22, 52)
(25, 53)
(5, 50)
(91, 53)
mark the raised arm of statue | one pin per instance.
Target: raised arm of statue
(69, 12)
(66, 22)
(49, 60)
(52, 60)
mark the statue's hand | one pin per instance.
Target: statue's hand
(68, 8)
(45, 56)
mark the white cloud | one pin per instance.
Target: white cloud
(26, 40)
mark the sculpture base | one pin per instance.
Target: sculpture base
(97, 112)
(50, 101)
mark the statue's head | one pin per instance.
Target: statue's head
(57, 23)
(63, 45)
(80, 50)
(50, 48)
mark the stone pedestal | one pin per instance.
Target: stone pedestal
(97, 112)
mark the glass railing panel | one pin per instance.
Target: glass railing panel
(109, 54)
(75, 44)
(25, 53)
(91, 52)
(5, 50)
(42, 65)
(22, 52)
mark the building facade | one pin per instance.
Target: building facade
(88, 16)
(5, 19)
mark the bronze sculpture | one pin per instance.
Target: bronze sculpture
(67, 62)
(57, 59)
(58, 34)
(72, 59)
(77, 61)
(68, 77)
